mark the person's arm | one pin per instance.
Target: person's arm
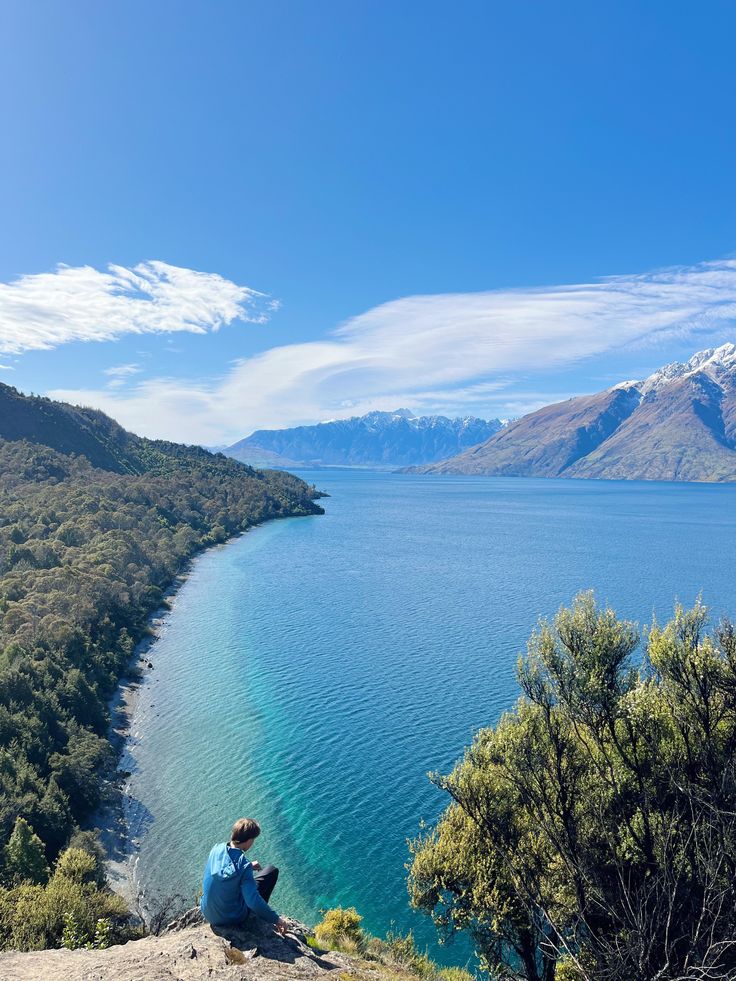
(253, 899)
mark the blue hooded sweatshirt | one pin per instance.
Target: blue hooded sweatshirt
(229, 889)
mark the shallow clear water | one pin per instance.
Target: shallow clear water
(315, 669)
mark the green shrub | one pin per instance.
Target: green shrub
(103, 934)
(460, 974)
(599, 815)
(340, 929)
(76, 865)
(74, 936)
(87, 841)
(393, 958)
(402, 949)
(69, 911)
(25, 859)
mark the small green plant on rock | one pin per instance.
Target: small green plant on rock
(103, 934)
(402, 950)
(456, 974)
(394, 959)
(72, 936)
(340, 930)
(75, 936)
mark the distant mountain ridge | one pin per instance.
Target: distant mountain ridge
(378, 439)
(677, 424)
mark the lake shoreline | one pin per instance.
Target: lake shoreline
(111, 820)
(114, 819)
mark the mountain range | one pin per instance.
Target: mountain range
(378, 439)
(677, 424)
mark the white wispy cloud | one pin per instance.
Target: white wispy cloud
(421, 351)
(119, 374)
(122, 370)
(43, 310)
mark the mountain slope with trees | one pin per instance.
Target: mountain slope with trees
(80, 431)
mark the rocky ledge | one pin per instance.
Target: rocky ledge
(188, 950)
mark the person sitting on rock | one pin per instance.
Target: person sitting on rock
(234, 887)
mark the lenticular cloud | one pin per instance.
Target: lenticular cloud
(458, 352)
(43, 310)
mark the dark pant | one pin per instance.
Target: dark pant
(266, 880)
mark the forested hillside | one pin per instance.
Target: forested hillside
(79, 431)
(85, 555)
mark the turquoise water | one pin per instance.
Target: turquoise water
(312, 671)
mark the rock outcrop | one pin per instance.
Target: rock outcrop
(188, 950)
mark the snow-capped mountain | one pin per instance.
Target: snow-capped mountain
(378, 439)
(677, 424)
(711, 362)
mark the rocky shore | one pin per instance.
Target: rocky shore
(190, 950)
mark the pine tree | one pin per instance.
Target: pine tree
(25, 859)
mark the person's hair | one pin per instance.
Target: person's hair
(244, 829)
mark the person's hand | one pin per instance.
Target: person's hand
(281, 926)
(256, 864)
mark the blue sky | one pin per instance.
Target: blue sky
(312, 209)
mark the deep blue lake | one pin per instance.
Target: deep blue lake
(312, 671)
